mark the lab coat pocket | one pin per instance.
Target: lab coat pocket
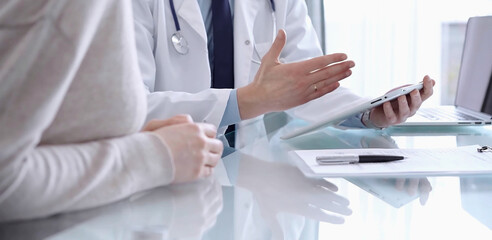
(260, 50)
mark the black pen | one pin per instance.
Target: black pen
(352, 158)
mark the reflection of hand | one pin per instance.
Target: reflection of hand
(176, 212)
(196, 208)
(279, 86)
(377, 141)
(282, 188)
(415, 186)
(397, 111)
(194, 149)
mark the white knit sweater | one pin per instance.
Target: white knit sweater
(71, 106)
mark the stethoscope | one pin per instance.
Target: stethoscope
(180, 43)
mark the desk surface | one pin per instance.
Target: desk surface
(257, 193)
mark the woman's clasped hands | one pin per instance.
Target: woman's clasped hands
(193, 147)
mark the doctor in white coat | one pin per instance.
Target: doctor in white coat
(284, 79)
(270, 73)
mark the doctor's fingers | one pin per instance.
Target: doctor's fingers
(326, 86)
(321, 91)
(316, 63)
(331, 71)
(155, 124)
(319, 214)
(389, 113)
(331, 206)
(318, 192)
(412, 186)
(424, 188)
(428, 89)
(400, 183)
(272, 56)
(424, 185)
(323, 183)
(329, 79)
(415, 101)
(403, 108)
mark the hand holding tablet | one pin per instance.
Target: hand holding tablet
(333, 119)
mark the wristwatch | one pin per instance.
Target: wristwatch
(367, 121)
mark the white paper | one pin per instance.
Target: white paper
(445, 161)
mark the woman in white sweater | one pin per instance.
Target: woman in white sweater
(71, 112)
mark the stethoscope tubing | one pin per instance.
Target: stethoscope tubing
(182, 46)
(175, 16)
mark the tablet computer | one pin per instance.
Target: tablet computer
(359, 108)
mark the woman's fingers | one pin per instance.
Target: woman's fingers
(214, 147)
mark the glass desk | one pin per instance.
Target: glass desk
(258, 193)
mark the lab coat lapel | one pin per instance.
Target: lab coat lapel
(245, 13)
(244, 18)
(189, 12)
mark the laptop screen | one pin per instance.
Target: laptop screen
(487, 103)
(474, 84)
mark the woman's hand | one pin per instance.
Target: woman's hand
(195, 150)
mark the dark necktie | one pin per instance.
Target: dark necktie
(223, 65)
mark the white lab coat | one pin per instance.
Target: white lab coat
(183, 81)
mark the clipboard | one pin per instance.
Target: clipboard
(466, 160)
(359, 108)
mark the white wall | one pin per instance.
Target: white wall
(394, 42)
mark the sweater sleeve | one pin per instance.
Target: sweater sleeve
(60, 178)
(39, 58)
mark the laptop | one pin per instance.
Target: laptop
(473, 100)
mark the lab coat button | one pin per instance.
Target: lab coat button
(247, 42)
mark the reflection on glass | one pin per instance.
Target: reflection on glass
(174, 212)
(187, 211)
(280, 190)
(397, 192)
(476, 198)
(184, 211)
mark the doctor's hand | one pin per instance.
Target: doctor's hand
(415, 186)
(279, 86)
(281, 188)
(194, 149)
(397, 111)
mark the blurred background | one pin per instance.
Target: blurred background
(395, 42)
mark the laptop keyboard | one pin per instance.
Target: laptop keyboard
(445, 115)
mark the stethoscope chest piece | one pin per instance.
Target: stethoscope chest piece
(180, 43)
